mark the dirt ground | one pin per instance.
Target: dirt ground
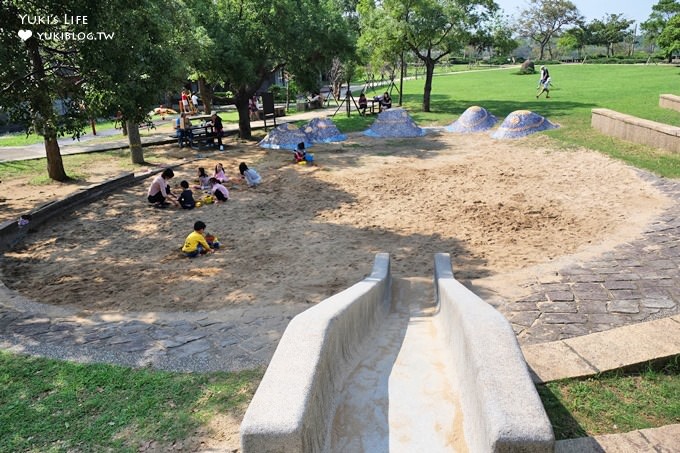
(307, 232)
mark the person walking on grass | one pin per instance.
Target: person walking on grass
(545, 88)
(544, 83)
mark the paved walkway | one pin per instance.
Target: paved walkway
(89, 143)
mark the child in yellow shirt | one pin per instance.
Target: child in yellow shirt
(198, 243)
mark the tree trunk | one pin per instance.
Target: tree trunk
(241, 101)
(136, 151)
(429, 74)
(41, 104)
(55, 165)
(206, 95)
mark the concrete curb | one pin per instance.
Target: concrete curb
(604, 351)
(669, 101)
(663, 439)
(502, 410)
(293, 407)
(638, 130)
(11, 234)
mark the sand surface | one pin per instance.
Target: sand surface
(309, 231)
(500, 208)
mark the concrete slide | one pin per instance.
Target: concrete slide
(400, 397)
(398, 365)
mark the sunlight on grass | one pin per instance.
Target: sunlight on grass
(88, 407)
(614, 402)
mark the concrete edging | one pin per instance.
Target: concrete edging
(293, 408)
(638, 130)
(501, 407)
(11, 233)
(669, 101)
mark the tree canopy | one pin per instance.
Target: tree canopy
(247, 41)
(40, 75)
(430, 29)
(543, 19)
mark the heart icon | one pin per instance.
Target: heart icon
(25, 34)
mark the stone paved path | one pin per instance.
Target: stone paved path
(635, 282)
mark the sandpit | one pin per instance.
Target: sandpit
(310, 231)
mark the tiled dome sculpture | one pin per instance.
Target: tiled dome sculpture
(284, 136)
(394, 123)
(322, 130)
(521, 123)
(474, 119)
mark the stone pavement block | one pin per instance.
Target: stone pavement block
(564, 318)
(625, 294)
(653, 440)
(629, 345)
(619, 284)
(588, 278)
(592, 306)
(557, 307)
(553, 361)
(560, 296)
(523, 318)
(589, 291)
(624, 306)
(657, 303)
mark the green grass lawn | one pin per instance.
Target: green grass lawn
(48, 405)
(631, 89)
(614, 402)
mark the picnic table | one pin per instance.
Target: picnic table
(202, 136)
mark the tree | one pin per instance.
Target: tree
(662, 12)
(40, 78)
(613, 29)
(254, 39)
(543, 19)
(669, 39)
(576, 38)
(145, 59)
(430, 29)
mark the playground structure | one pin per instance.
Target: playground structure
(379, 367)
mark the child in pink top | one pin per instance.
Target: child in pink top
(217, 189)
(219, 173)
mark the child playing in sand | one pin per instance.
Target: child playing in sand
(203, 179)
(218, 190)
(186, 198)
(198, 243)
(219, 173)
(303, 156)
(252, 177)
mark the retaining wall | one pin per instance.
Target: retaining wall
(11, 234)
(293, 408)
(502, 411)
(636, 130)
(669, 101)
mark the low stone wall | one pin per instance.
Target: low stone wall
(11, 233)
(293, 408)
(636, 130)
(502, 411)
(669, 101)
